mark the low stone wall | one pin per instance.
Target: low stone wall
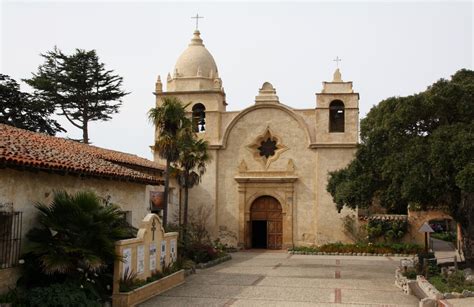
(347, 254)
(402, 282)
(8, 279)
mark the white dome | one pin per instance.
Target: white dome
(196, 61)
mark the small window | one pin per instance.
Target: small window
(10, 238)
(336, 116)
(199, 117)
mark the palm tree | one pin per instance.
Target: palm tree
(77, 232)
(169, 119)
(193, 157)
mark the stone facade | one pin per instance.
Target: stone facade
(307, 145)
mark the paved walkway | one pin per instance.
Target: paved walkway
(444, 251)
(281, 279)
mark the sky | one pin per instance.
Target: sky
(387, 49)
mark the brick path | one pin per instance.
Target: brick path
(278, 279)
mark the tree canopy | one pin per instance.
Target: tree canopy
(416, 150)
(22, 110)
(80, 86)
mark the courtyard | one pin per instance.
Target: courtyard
(266, 278)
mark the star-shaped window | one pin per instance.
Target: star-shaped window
(267, 148)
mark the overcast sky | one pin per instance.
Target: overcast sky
(387, 49)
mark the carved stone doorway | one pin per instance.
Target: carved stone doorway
(266, 223)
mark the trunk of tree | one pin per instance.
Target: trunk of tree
(185, 218)
(467, 228)
(180, 209)
(85, 132)
(165, 194)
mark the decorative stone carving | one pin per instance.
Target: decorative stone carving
(267, 148)
(158, 85)
(267, 94)
(243, 166)
(217, 83)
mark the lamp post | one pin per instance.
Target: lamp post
(425, 228)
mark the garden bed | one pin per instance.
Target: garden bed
(360, 249)
(147, 291)
(213, 262)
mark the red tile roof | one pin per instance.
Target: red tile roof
(30, 150)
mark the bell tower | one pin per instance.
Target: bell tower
(337, 113)
(195, 81)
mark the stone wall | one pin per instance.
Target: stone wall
(8, 278)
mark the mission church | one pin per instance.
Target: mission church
(265, 186)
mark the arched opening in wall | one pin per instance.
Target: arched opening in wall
(266, 218)
(444, 235)
(199, 117)
(336, 116)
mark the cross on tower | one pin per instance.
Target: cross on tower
(197, 20)
(337, 60)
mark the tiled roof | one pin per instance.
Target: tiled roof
(30, 150)
(385, 217)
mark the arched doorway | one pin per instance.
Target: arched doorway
(266, 223)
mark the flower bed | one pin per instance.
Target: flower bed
(214, 262)
(148, 290)
(360, 249)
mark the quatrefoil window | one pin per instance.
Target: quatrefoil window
(267, 148)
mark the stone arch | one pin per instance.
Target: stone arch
(255, 196)
(281, 107)
(266, 223)
(419, 217)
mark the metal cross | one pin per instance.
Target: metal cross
(337, 60)
(197, 20)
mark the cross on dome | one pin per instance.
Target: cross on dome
(197, 20)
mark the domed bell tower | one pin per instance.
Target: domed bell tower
(195, 81)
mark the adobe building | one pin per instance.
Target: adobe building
(34, 165)
(266, 183)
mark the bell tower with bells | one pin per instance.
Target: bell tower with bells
(337, 113)
(195, 81)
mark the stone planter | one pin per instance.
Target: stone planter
(139, 295)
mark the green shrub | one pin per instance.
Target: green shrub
(56, 295)
(390, 230)
(456, 282)
(14, 297)
(410, 274)
(373, 248)
(445, 236)
(130, 281)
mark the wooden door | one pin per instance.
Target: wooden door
(268, 209)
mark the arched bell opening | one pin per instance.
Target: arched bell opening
(199, 117)
(336, 116)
